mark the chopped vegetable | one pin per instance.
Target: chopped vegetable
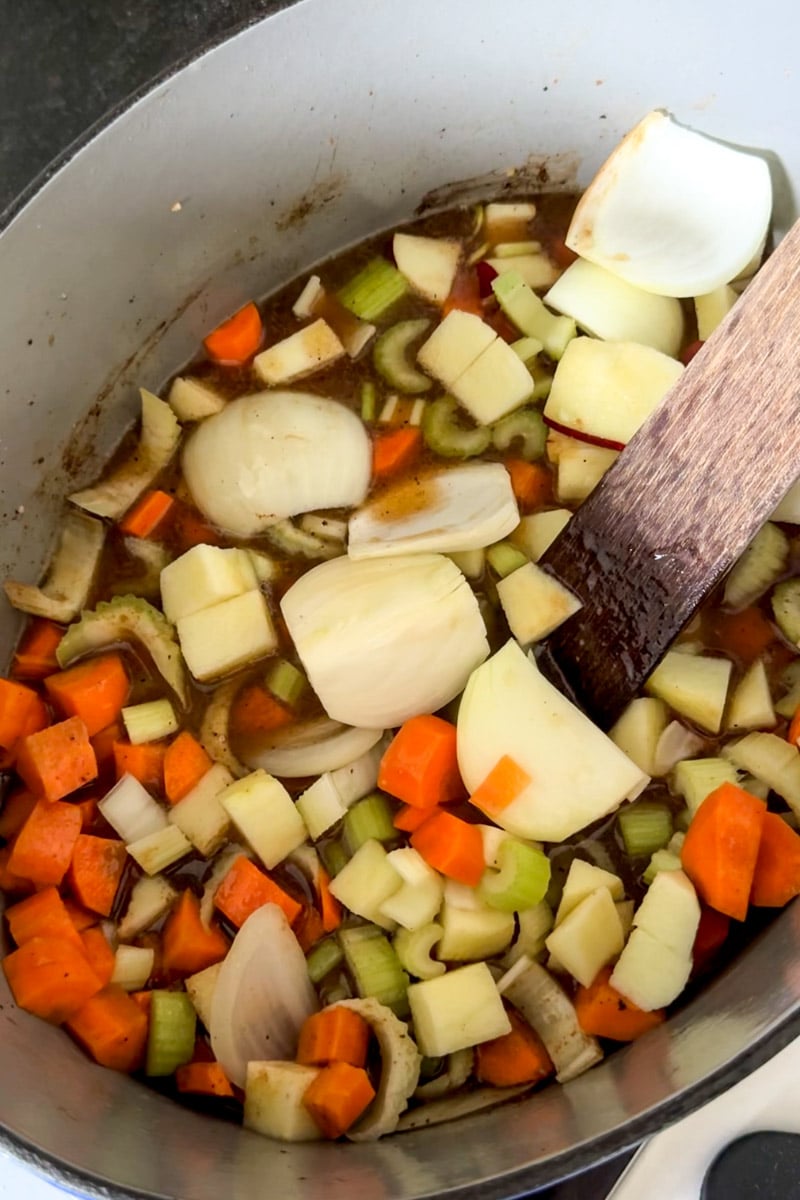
(335, 1034)
(57, 760)
(390, 355)
(420, 766)
(71, 573)
(112, 1028)
(395, 451)
(144, 762)
(776, 878)
(451, 846)
(245, 888)
(721, 847)
(515, 1057)
(521, 881)
(147, 514)
(445, 434)
(94, 690)
(761, 565)
(171, 1032)
(374, 290)
(95, 872)
(50, 977)
(547, 1008)
(603, 1012)
(35, 656)
(337, 1096)
(645, 826)
(238, 338)
(786, 607)
(188, 946)
(203, 1079)
(185, 764)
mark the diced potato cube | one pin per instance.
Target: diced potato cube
(473, 933)
(638, 730)
(201, 816)
(534, 602)
(299, 355)
(265, 814)
(273, 1101)
(588, 938)
(695, 686)
(417, 900)
(670, 912)
(429, 264)
(454, 345)
(583, 878)
(712, 308)
(648, 972)
(751, 702)
(580, 469)
(202, 577)
(192, 400)
(496, 383)
(536, 532)
(321, 806)
(366, 882)
(217, 640)
(458, 1009)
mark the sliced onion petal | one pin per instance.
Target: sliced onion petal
(673, 211)
(461, 508)
(262, 997)
(310, 749)
(546, 1006)
(274, 455)
(384, 639)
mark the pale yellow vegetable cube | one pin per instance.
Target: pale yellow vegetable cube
(273, 1101)
(133, 966)
(712, 308)
(537, 270)
(588, 938)
(473, 933)
(458, 1009)
(217, 640)
(160, 849)
(670, 911)
(200, 988)
(536, 532)
(534, 603)
(638, 730)
(580, 469)
(429, 264)
(265, 815)
(366, 882)
(454, 345)
(192, 400)
(751, 701)
(299, 355)
(583, 878)
(695, 686)
(201, 816)
(205, 576)
(648, 972)
(496, 383)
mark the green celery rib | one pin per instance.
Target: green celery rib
(371, 817)
(322, 958)
(445, 435)
(373, 290)
(170, 1041)
(521, 882)
(375, 966)
(645, 827)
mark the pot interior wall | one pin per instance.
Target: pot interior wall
(321, 125)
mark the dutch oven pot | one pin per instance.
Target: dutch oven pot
(321, 125)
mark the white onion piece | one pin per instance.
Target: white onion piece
(673, 211)
(462, 508)
(262, 996)
(310, 749)
(616, 311)
(384, 639)
(276, 454)
(676, 743)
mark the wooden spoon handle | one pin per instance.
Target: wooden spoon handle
(685, 497)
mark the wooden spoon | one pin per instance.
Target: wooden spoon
(684, 498)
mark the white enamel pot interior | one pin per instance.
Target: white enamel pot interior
(326, 122)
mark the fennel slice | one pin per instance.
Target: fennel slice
(160, 434)
(69, 580)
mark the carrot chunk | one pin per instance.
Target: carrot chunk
(793, 732)
(504, 783)
(531, 483)
(43, 848)
(238, 338)
(203, 1079)
(408, 818)
(337, 1097)
(15, 812)
(395, 450)
(36, 654)
(80, 917)
(245, 888)
(57, 760)
(330, 908)
(334, 1034)
(94, 690)
(256, 711)
(603, 1012)
(188, 945)
(451, 846)
(776, 879)
(185, 764)
(103, 743)
(51, 978)
(11, 884)
(147, 514)
(465, 294)
(515, 1057)
(720, 850)
(22, 712)
(145, 762)
(98, 953)
(747, 634)
(95, 871)
(308, 928)
(44, 914)
(112, 1028)
(420, 766)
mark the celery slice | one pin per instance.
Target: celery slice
(786, 607)
(761, 564)
(373, 290)
(525, 426)
(369, 818)
(413, 948)
(369, 400)
(149, 722)
(390, 356)
(445, 435)
(521, 882)
(322, 958)
(170, 1041)
(522, 306)
(661, 860)
(645, 827)
(286, 682)
(504, 558)
(71, 574)
(286, 536)
(334, 857)
(375, 967)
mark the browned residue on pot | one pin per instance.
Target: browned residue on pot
(555, 172)
(315, 198)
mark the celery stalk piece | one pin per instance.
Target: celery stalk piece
(375, 967)
(170, 1041)
(661, 860)
(537, 269)
(524, 429)
(72, 570)
(528, 349)
(758, 567)
(696, 778)
(149, 722)
(414, 947)
(391, 359)
(369, 400)
(522, 880)
(522, 306)
(369, 818)
(322, 958)
(445, 434)
(645, 827)
(334, 857)
(504, 558)
(286, 682)
(373, 290)
(158, 441)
